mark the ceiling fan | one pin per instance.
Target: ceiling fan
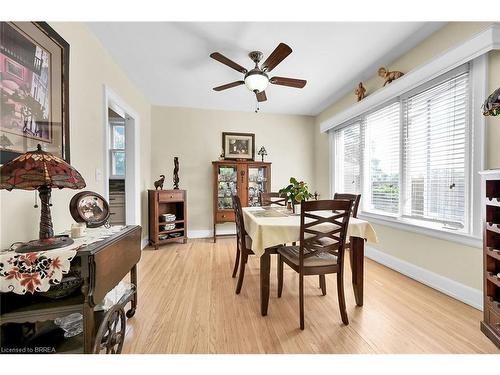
(257, 80)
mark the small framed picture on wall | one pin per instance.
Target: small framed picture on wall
(238, 146)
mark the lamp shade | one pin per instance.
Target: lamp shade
(36, 169)
(255, 80)
(491, 106)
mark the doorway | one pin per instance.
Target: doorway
(121, 155)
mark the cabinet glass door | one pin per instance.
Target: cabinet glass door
(257, 183)
(227, 180)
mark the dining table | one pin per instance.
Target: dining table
(272, 226)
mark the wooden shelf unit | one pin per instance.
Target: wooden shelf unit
(247, 179)
(491, 254)
(167, 202)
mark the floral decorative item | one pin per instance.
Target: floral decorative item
(262, 152)
(360, 91)
(491, 106)
(389, 76)
(296, 192)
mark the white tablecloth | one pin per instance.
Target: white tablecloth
(270, 227)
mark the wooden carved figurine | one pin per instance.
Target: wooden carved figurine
(176, 172)
(360, 91)
(159, 183)
(389, 76)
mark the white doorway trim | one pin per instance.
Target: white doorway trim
(132, 154)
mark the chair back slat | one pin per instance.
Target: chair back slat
(323, 232)
(273, 198)
(240, 225)
(354, 198)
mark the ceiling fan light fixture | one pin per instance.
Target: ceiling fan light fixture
(256, 80)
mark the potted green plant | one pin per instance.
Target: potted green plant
(296, 192)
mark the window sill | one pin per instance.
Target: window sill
(407, 225)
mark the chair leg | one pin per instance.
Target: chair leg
(243, 262)
(236, 262)
(280, 275)
(340, 292)
(301, 300)
(322, 284)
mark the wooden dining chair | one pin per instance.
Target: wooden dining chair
(243, 244)
(273, 198)
(320, 250)
(354, 198)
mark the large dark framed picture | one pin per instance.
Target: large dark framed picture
(34, 96)
(238, 146)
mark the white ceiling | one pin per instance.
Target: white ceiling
(169, 61)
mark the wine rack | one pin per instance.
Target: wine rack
(491, 255)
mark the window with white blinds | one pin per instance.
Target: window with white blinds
(348, 158)
(434, 147)
(409, 158)
(382, 150)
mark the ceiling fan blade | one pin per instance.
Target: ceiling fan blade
(223, 59)
(261, 96)
(228, 85)
(291, 82)
(277, 56)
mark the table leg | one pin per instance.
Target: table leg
(133, 303)
(358, 255)
(88, 322)
(265, 272)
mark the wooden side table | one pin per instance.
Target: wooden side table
(172, 202)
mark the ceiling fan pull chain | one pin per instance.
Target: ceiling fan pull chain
(257, 109)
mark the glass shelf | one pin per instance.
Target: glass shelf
(227, 186)
(257, 179)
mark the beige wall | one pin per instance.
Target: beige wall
(194, 135)
(452, 260)
(90, 69)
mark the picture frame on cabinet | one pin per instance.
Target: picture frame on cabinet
(238, 146)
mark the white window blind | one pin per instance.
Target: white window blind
(434, 153)
(348, 159)
(382, 150)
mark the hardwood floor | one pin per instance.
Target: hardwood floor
(187, 304)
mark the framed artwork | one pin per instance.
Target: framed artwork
(34, 96)
(238, 146)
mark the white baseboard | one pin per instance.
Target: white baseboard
(452, 288)
(144, 243)
(207, 233)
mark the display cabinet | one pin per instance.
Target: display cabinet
(247, 179)
(491, 254)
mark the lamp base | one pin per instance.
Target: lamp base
(47, 244)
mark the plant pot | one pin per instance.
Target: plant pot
(296, 208)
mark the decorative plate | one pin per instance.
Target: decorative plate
(89, 207)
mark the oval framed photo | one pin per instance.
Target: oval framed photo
(89, 207)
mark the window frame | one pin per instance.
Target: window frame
(474, 162)
(112, 150)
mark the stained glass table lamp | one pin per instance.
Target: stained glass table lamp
(42, 171)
